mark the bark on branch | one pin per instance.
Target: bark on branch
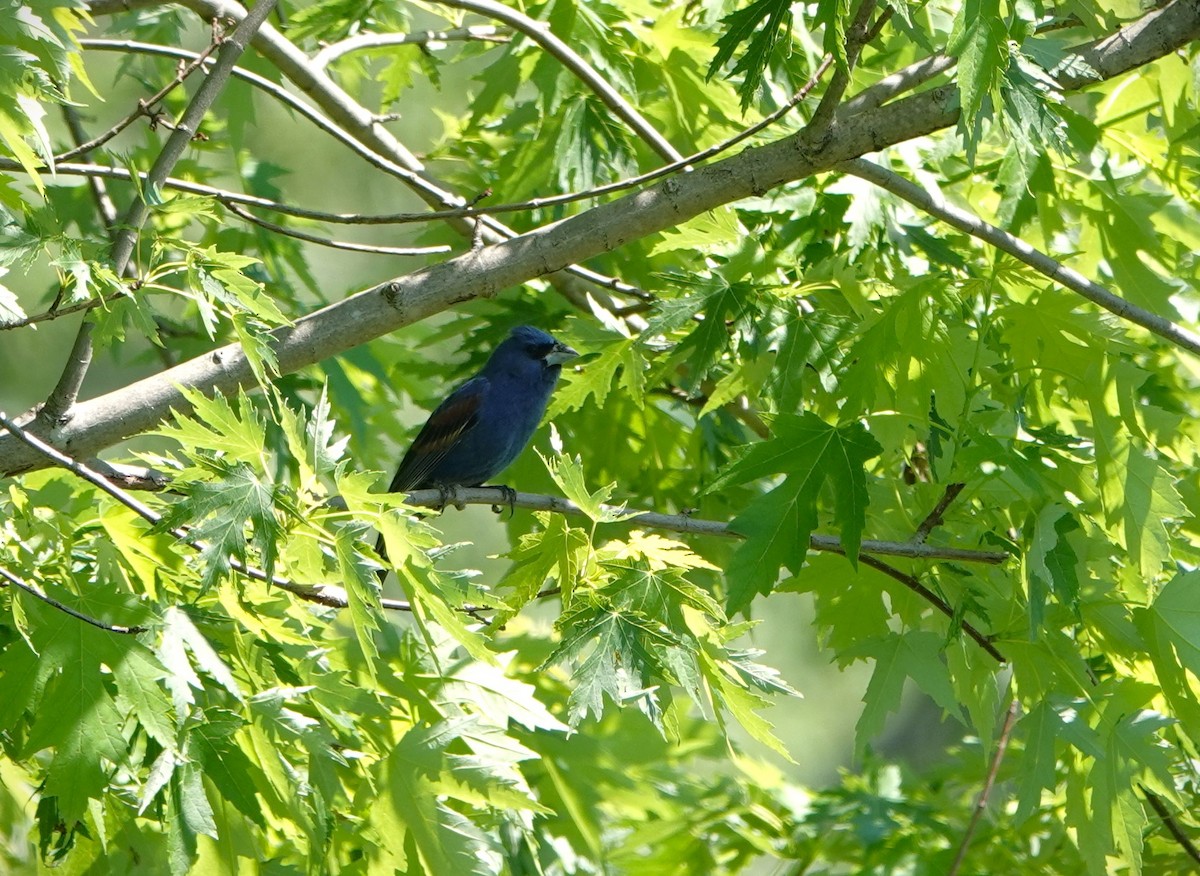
(103, 421)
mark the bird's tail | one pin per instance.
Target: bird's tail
(381, 549)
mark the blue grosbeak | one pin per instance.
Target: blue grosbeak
(485, 423)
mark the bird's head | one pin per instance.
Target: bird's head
(525, 346)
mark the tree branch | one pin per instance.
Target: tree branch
(391, 305)
(365, 41)
(1014, 709)
(936, 601)
(541, 34)
(337, 244)
(1022, 251)
(62, 398)
(39, 593)
(1175, 830)
(934, 518)
(687, 524)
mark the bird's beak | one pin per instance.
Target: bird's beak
(560, 353)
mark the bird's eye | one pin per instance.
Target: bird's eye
(540, 351)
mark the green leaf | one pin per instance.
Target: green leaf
(1151, 500)
(214, 425)
(1052, 564)
(1041, 727)
(741, 703)
(193, 814)
(139, 674)
(592, 147)
(179, 632)
(1175, 617)
(777, 525)
(619, 653)
(218, 512)
(556, 553)
(595, 378)
(365, 608)
(761, 25)
(409, 815)
(915, 655)
(980, 42)
(80, 719)
(567, 472)
(10, 307)
(226, 765)
(427, 586)
(834, 15)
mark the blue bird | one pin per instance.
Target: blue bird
(485, 423)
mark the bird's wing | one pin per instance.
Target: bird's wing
(452, 419)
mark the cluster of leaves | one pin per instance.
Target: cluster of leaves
(820, 358)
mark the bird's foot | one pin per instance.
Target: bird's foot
(510, 499)
(448, 495)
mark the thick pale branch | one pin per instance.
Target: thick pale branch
(966, 221)
(384, 308)
(692, 525)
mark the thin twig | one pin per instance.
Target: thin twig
(144, 107)
(934, 518)
(328, 595)
(104, 204)
(692, 525)
(39, 593)
(1014, 709)
(540, 33)
(337, 244)
(57, 312)
(1175, 830)
(973, 225)
(62, 398)
(856, 37)
(936, 601)
(367, 41)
